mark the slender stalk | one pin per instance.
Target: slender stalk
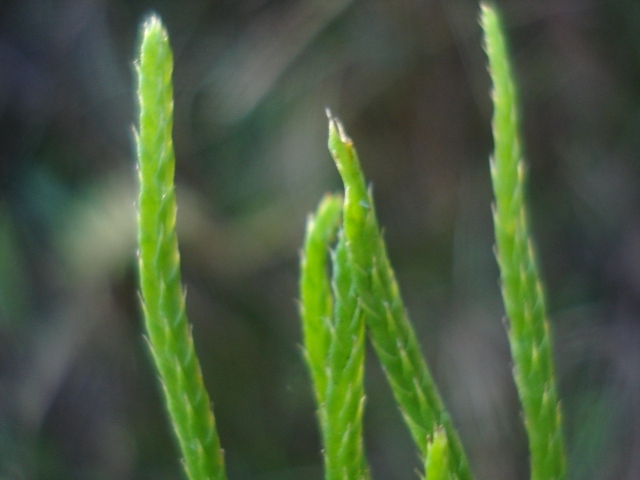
(343, 445)
(528, 331)
(333, 328)
(168, 330)
(391, 331)
(316, 301)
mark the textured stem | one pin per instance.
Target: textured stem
(316, 301)
(528, 330)
(343, 444)
(166, 322)
(391, 332)
(333, 329)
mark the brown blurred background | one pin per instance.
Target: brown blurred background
(78, 399)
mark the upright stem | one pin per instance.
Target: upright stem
(168, 330)
(528, 330)
(391, 331)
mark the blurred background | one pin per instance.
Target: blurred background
(78, 396)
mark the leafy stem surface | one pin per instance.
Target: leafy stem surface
(528, 328)
(361, 293)
(168, 330)
(391, 332)
(333, 327)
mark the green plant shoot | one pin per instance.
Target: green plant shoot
(345, 292)
(345, 382)
(333, 328)
(316, 301)
(163, 303)
(528, 327)
(389, 327)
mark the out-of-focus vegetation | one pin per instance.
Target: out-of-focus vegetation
(252, 79)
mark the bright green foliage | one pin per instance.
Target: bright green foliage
(343, 293)
(390, 329)
(333, 328)
(166, 322)
(522, 294)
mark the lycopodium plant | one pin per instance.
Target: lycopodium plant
(527, 324)
(348, 290)
(168, 330)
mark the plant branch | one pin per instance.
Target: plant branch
(528, 329)
(163, 299)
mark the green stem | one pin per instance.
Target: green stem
(333, 329)
(391, 331)
(316, 301)
(163, 303)
(528, 330)
(343, 444)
